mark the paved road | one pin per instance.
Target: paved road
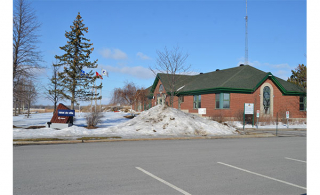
(212, 166)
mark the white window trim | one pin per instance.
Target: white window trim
(271, 99)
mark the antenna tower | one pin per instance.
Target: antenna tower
(246, 44)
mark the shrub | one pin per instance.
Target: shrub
(93, 118)
(266, 120)
(219, 117)
(239, 115)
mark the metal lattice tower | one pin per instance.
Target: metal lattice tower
(246, 44)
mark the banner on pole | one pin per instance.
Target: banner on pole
(98, 75)
(105, 73)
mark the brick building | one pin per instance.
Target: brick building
(224, 93)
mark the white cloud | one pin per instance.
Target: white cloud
(143, 56)
(116, 54)
(136, 71)
(283, 74)
(282, 71)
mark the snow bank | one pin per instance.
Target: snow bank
(157, 121)
(163, 120)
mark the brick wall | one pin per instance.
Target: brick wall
(281, 103)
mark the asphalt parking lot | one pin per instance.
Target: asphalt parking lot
(274, 165)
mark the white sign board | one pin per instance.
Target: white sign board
(258, 112)
(287, 114)
(202, 111)
(248, 108)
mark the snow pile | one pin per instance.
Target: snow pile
(163, 120)
(157, 121)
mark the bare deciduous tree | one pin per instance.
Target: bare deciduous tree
(172, 63)
(26, 94)
(52, 90)
(128, 95)
(30, 94)
(26, 56)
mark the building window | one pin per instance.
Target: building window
(222, 100)
(196, 101)
(181, 99)
(266, 100)
(303, 103)
(161, 88)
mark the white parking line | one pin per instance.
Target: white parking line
(295, 159)
(163, 181)
(263, 176)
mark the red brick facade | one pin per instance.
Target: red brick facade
(280, 103)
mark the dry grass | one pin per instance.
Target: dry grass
(35, 127)
(98, 138)
(266, 120)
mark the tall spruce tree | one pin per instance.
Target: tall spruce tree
(76, 86)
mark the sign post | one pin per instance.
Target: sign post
(258, 112)
(248, 109)
(287, 116)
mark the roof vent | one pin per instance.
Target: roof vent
(201, 72)
(241, 64)
(217, 69)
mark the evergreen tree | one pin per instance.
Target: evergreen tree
(299, 76)
(76, 86)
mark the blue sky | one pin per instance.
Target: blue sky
(127, 34)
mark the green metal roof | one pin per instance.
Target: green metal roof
(242, 79)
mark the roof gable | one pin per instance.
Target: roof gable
(242, 79)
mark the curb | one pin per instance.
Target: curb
(258, 135)
(273, 129)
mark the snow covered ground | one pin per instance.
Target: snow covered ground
(238, 124)
(159, 121)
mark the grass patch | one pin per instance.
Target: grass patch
(39, 139)
(98, 138)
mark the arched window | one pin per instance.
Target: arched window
(266, 100)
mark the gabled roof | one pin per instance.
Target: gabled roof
(242, 79)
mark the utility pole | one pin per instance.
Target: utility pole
(246, 44)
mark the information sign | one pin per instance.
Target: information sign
(202, 111)
(287, 114)
(258, 112)
(248, 108)
(66, 113)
